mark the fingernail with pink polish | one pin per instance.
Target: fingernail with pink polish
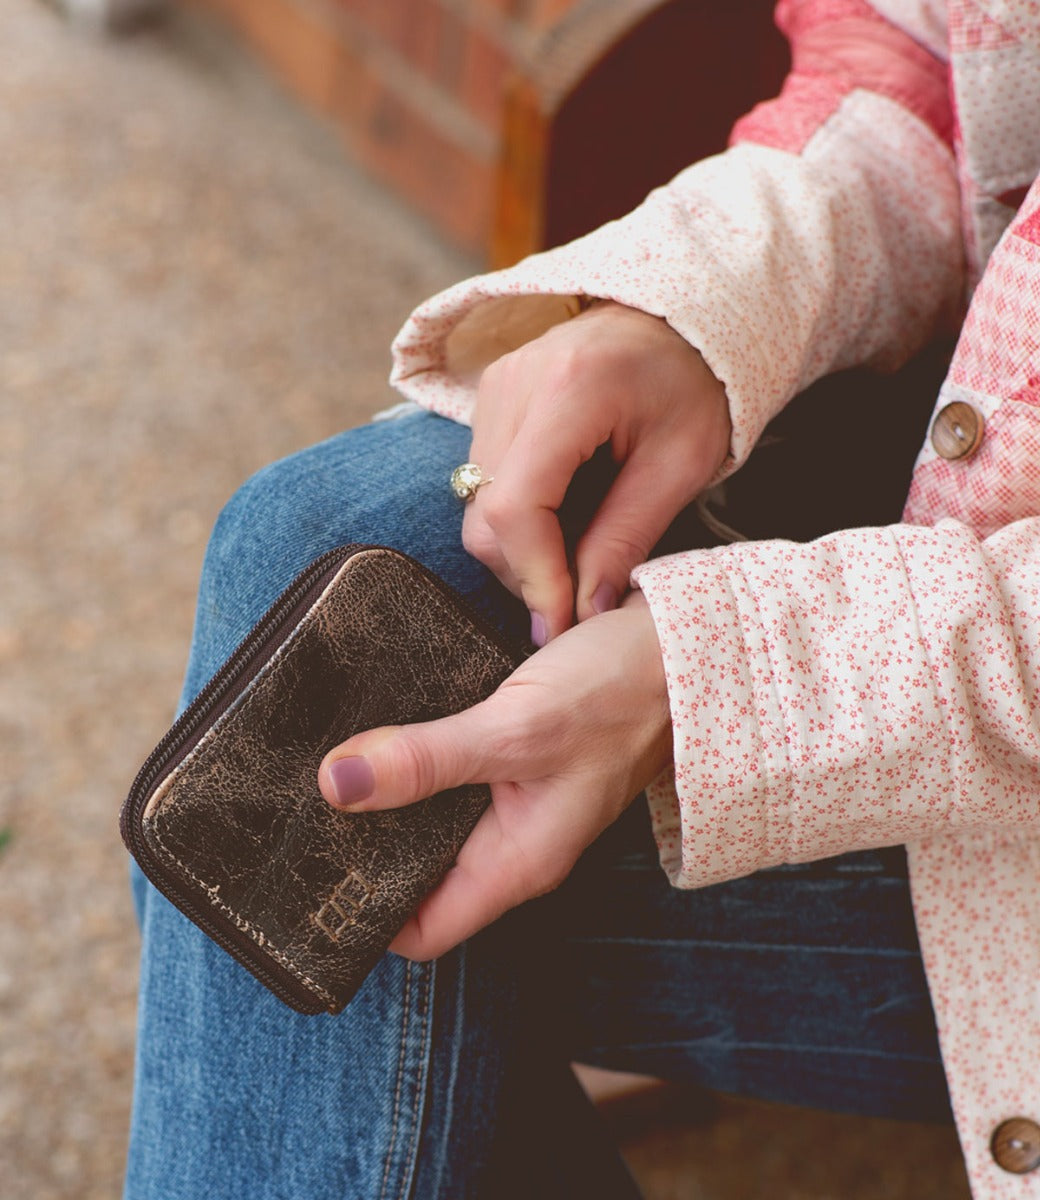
(539, 630)
(604, 598)
(352, 780)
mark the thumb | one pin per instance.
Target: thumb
(641, 504)
(400, 764)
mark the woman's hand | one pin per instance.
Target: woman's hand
(568, 740)
(612, 375)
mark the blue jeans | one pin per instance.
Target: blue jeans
(450, 1079)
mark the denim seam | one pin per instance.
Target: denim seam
(396, 1116)
(426, 1020)
(440, 1157)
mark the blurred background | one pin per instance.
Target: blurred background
(193, 281)
(213, 218)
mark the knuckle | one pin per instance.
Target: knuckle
(498, 510)
(499, 373)
(479, 540)
(538, 877)
(506, 738)
(624, 544)
(520, 722)
(567, 369)
(414, 767)
(526, 881)
(555, 875)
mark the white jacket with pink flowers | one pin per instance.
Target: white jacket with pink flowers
(879, 686)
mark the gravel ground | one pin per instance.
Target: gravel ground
(195, 281)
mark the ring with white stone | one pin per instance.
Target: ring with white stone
(467, 478)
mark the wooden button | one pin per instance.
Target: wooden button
(957, 431)
(1015, 1145)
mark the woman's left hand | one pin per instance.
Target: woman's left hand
(566, 742)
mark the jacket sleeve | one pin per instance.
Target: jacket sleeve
(877, 686)
(872, 688)
(826, 236)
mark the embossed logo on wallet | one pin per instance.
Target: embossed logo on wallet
(344, 906)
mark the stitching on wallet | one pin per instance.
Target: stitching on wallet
(241, 923)
(196, 754)
(344, 906)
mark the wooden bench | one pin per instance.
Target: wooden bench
(617, 98)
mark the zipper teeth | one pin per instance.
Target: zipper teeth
(218, 693)
(215, 698)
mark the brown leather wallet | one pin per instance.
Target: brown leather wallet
(226, 819)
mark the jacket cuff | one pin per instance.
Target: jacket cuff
(662, 259)
(709, 813)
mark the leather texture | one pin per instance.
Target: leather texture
(238, 826)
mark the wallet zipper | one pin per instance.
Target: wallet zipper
(215, 698)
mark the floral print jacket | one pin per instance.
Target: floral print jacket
(878, 686)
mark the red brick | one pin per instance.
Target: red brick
(304, 52)
(545, 13)
(391, 136)
(452, 51)
(420, 42)
(388, 19)
(517, 10)
(485, 69)
(444, 180)
(450, 181)
(428, 33)
(434, 42)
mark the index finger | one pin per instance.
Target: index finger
(518, 511)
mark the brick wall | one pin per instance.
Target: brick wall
(414, 85)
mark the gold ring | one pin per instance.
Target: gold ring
(467, 478)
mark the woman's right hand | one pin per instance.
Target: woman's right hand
(612, 375)
(566, 743)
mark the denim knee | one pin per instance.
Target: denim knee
(255, 549)
(260, 539)
(384, 483)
